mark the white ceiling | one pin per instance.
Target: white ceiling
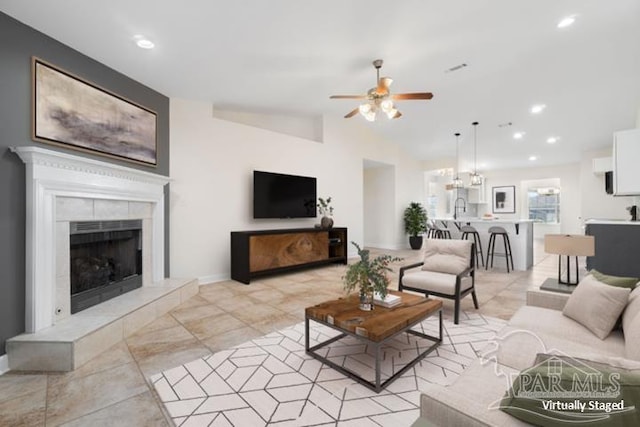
(289, 56)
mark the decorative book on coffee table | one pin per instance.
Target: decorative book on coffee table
(389, 300)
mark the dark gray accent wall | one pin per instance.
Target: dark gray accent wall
(18, 43)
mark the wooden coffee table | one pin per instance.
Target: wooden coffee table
(375, 328)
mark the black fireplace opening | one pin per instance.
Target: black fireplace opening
(106, 261)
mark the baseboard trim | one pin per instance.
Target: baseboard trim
(205, 280)
(389, 246)
(4, 364)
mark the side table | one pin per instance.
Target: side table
(546, 299)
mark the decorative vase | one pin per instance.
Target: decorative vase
(366, 300)
(326, 222)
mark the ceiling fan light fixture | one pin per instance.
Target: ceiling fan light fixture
(368, 111)
(364, 108)
(392, 113)
(378, 98)
(387, 106)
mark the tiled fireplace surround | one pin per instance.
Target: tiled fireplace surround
(63, 188)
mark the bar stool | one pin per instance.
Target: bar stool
(441, 233)
(431, 231)
(499, 231)
(469, 230)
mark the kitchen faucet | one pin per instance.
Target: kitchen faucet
(455, 207)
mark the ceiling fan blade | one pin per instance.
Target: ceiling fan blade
(352, 113)
(348, 97)
(421, 95)
(383, 85)
(397, 115)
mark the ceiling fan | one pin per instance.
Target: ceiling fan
(380, 99)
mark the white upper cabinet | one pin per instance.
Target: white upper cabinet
(477, 195)
(602, 165)
(626, 163)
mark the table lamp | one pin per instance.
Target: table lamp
(569, 245)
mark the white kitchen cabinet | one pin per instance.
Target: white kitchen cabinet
(477, 195)
(602, 165)
(626, 163)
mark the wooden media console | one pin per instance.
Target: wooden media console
(265, 252)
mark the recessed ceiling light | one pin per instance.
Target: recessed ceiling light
(552, 140)
(567, 21)
(518, 135)
(533, 158)
(537, 109)
(143, 42)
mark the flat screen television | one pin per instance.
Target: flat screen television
(278, 195)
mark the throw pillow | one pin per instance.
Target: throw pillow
(562, 391)
(622, 282)
(446, 256)
(596, 306)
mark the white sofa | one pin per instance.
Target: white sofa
(473, 398)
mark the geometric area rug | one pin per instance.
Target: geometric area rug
(271, 381)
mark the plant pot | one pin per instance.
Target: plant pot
(415, 242)
(326, 222)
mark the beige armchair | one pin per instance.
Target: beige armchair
(448, 271)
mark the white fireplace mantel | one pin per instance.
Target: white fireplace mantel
(52, 174)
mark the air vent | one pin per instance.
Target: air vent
(98, 226)
(456, 68)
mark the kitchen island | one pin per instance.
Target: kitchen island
(520, 233)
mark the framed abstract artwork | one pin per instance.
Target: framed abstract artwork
(504, 199)
(71, 112)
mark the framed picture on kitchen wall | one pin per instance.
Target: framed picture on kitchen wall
(504, 199)
(74, 113)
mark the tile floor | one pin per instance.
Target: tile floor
(115, 386)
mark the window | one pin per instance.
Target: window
(544, 205)
(432, 200)
(432, 205)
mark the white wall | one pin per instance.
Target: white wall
(300, 126)
(212, 162)
(379, 206)
(435, 185)
(596, 203)
(570, 192)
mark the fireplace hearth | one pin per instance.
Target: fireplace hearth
(63, 189)
(105, 260)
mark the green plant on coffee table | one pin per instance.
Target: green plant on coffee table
(370, 275)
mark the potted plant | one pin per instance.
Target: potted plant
(369, 275)
(415, 223)
(326, 211)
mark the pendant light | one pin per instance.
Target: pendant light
(476, 178)
(457, 182)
